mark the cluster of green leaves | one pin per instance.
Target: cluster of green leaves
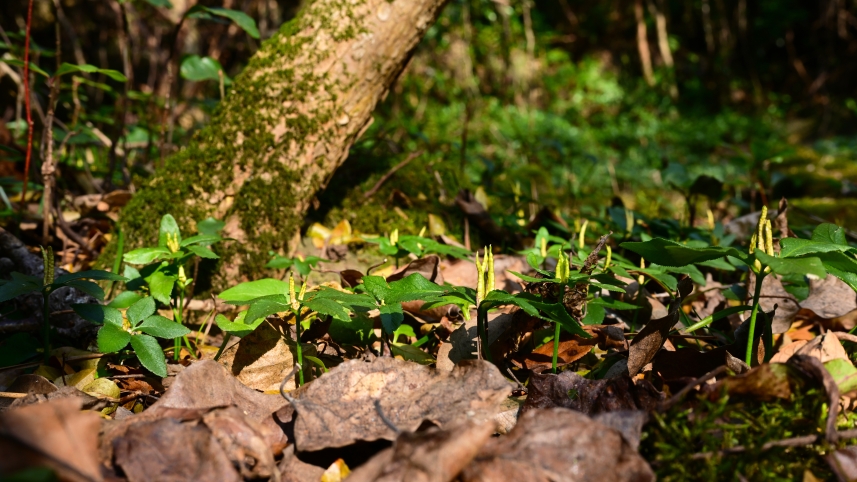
(138, 327)
(164, 265)
(400, 246)
(303, 265)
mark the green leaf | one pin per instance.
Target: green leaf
(18, 348)
(667, 280)
(67, 68)
(33, 67)
(157, 325)
(794, 247)
(352, 300)
(200, 69)
(720, 264)
(376, 286)
(98, 314)
(202, 252)
(412, 353)
(280, 262)
(829, 233)
(392, 317)
(20, 284)
(87, 287)
(842, 266)
(261, 308)
(800, 266)
(150, 354)
(159, 3)
(690, 270)
(95, 274)
(125, 299)
(844, 373)
(243, 293)
(668, 253)
(240, 18)
(210, 226)
(532, 279)
(237, 327)
(141, 310)
(161, 286)
(413, 287)
(594, 315)
(327, 307)
(112, 338)
(356, 331)
(168, 226)
(203, 239)
(145, 255)
(612, 304)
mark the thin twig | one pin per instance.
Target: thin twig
(681, 393)
(285, 395)
(29, 153)
(389, 423)
(390, 173)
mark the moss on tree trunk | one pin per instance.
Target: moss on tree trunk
(284, 127)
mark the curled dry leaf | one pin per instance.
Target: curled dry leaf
(558, 445)
(431, 456)
(55, 434)
(650, 339)
(830, 298)
(338, 408)
(570, 390)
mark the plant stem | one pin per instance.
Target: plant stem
(298, 349)
(752, 335)
(46, 326)
(482, 332)
(555, 346)
(177, 316)
(226, 338)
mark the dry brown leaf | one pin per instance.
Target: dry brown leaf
(168, 450)
(824, 347)
(772, 294)
(570, 390)
(206, 384)
(32, 384)
(263, 358)
(55, 434)
(844, 463)
(292, 469)
(764, 382)
(431, 456)
(650, 339)
(338, 409)
(558, 445)
(570, 350)
(830, 298)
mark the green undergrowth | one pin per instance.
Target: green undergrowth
(672, 442)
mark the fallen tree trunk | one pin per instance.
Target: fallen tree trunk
(285, 126)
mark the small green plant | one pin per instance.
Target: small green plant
(400, 246)
(163, 273)
(21, 285)
(825, 253)
(138, 327)
(303, 266)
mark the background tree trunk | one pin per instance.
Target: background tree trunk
(285, 126)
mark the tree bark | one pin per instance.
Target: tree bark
(285, 126)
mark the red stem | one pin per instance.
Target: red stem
(27, 105)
